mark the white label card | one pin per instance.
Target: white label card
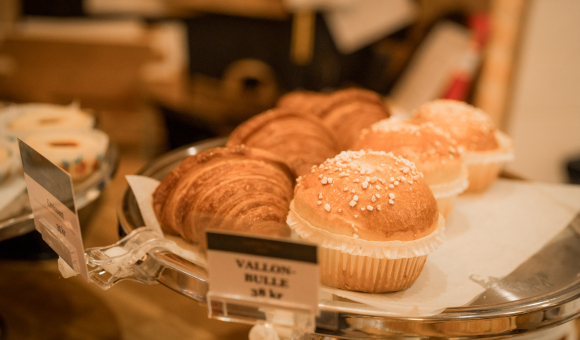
(51, 195)
(263, 269)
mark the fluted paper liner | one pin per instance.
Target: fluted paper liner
(484, 167)
(377, 249)
(367, 266)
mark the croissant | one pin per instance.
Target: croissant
(308, 102)
(350, 111)
(301, 139)
(231, 188)
(345, 96)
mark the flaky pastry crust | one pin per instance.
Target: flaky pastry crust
(231, 188)
(302, 140)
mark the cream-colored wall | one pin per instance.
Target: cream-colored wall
(544, 115)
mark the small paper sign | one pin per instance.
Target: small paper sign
(263, 270)
(51, 195)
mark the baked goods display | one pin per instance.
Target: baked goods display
(376, 210)
(432, 150)
(78, 152)
(372, 215)
(484, 148)
(231, 188)
(302, 140)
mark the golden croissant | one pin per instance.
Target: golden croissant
(230, 188)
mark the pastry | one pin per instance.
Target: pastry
(348, 95)
(302, 140)
(19, 120)
(302, 101)
(484, 148)
(372, 215)
(78, 152)
(432, 150)
(349, 119)
(231, 188)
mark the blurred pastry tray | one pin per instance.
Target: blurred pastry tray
(17, 219)
(537, 295)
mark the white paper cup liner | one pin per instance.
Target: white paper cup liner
(368, 274)
(367, 266)
(484, 167)
(376, 249)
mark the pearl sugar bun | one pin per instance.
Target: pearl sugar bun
(370, 212)
(432, 150)
(485, 149)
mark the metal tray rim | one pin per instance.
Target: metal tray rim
(562, 304)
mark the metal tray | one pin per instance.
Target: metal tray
(20, 221)
(537, 295)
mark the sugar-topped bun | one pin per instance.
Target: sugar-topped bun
(431, 149)
(372, 215)
(484, 148)
(471, 128)
(370, 195)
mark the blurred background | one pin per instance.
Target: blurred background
(171, 72)
(160, 74)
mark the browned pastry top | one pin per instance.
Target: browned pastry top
(305, 102)
(370, 195)
(349, 119)
(231, 188)
(344, 96)
(432, 150)
(471, 128)
(302, 140)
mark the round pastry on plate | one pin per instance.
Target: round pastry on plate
(78, 152)
(432, 150)
(19, 120)
(373, 217)
(302, 140)
(484, 148)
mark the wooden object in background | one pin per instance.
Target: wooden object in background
(494, 86)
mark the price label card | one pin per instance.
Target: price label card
(259, 269)
(51, 195)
